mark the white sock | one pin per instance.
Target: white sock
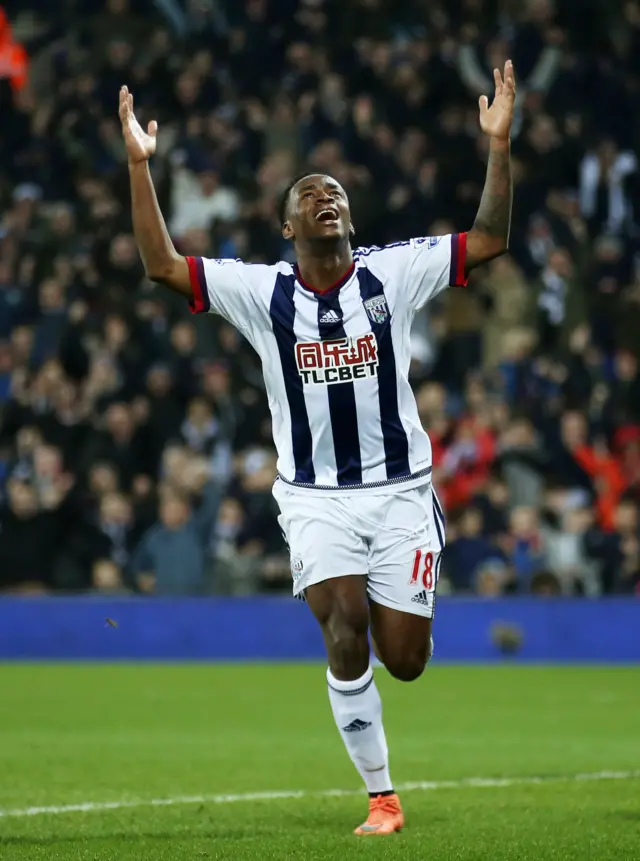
(357, 709)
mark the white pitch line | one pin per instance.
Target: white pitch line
(420, 786)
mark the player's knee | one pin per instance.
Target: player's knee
(408, 667)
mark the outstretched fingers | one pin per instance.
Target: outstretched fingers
(497, 79)
(124, 104)
(509, 79)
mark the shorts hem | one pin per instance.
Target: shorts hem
(301, 586)
(411, 609)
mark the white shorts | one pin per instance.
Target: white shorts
(396, 539)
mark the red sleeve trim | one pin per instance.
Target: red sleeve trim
(200, 303)
(457, 277)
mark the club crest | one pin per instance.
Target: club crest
(376, 308)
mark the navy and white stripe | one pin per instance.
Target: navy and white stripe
(282, 312)
(396, 444)
(342, 400)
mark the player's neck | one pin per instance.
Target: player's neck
(324, 270)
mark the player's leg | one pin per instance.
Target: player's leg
(402, 641)
(324, 545)
(341, 607)
(404, 567)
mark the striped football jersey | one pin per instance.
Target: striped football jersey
(336, 363)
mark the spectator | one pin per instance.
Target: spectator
(572, 454)
(200, 429)
(466, 461)
(493, 501)
(544, 584)
(184, 344)
(106, 578)
(171, 558)
(526, 546)
(522, 461)
(564, 535)
(14, 62)
(199, 199)
(30, 537)
(618, 552)
(12, 302)
(553, 297)
(469, 552)
(122, 444)
(493, 578)
(165, 410)
(113, 537)
(66, 426)
(604, 200)
(235, 572)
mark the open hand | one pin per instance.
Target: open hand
(496, 120)
(140, 145)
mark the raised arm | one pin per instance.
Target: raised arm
(161, 261)
(489, 236)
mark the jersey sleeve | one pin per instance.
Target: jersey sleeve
(230, 288)
(437, 262)
(424, 266)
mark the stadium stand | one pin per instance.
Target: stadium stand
(127, 426)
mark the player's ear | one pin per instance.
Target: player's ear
(287, 231)
(352, 229)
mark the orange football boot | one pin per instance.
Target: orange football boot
(385, 816)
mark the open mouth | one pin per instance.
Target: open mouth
(327, 216)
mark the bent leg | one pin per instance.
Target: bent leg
(402, 641)
(404, 568)
(328, 565)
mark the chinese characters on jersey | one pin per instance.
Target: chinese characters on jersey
(341, 361)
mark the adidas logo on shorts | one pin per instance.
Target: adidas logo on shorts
(421, 598)
(357, 725)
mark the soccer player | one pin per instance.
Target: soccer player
(362, 520)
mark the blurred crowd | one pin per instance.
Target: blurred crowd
(135, 441)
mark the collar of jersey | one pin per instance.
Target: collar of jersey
(339, 283)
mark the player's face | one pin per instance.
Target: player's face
(318, 209)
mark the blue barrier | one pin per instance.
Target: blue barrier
(552, 630)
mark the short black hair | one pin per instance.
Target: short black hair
(284, 199)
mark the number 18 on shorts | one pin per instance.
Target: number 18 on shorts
(424, 577)
(395, 539)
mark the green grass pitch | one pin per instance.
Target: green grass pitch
(95, 734)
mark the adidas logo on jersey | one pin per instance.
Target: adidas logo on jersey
(357, 725)
(421, 598)
(330, 317)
